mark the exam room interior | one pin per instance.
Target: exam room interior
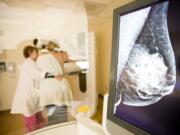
(99, 20)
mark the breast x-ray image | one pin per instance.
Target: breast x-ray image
(146, 62)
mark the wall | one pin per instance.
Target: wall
(103, 33)
(8, 81)
(63, 25)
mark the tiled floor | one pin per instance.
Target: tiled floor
(13, 124)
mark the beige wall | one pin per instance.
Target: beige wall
(103, 33)
(8, 81)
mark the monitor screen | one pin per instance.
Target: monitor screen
(147, 82)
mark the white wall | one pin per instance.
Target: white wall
(63, 25)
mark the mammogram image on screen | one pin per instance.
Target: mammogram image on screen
(146, 65)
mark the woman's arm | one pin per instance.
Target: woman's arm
(50, 75)
(36, 73)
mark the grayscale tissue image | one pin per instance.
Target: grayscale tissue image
(146, 63)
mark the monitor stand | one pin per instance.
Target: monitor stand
(110, 126)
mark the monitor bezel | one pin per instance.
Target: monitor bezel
(117, 13)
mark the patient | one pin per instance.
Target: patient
(55, 95)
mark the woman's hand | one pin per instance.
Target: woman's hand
(58, 77)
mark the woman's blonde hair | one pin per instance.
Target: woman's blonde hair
(51, 46)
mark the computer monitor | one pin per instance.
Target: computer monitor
(145, 65)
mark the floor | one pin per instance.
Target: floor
(98, 116)
(13, 124)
